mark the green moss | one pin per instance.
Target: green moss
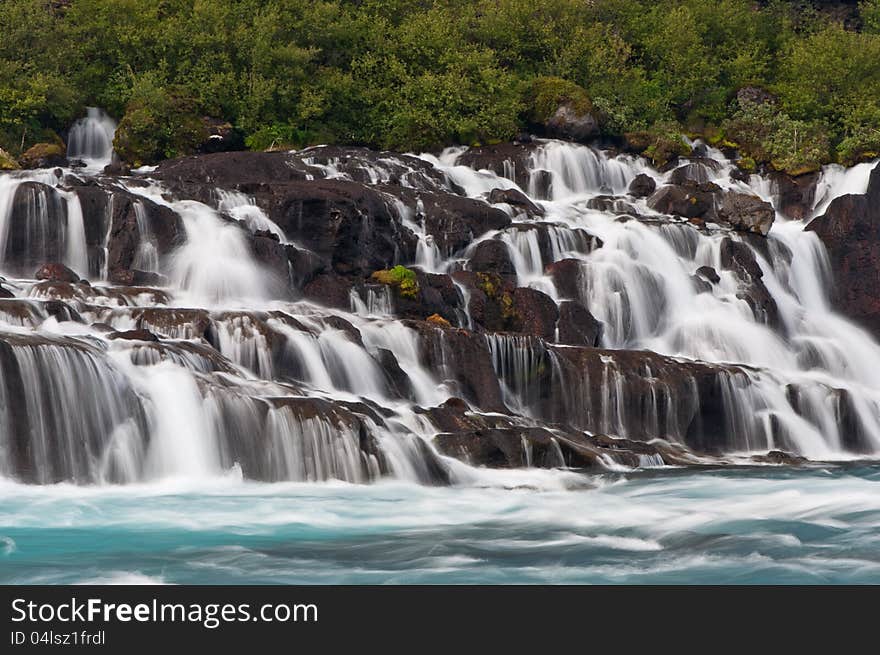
(662, 143)
(546, 94)
(747, 164)
(401, 278)
(489, 283)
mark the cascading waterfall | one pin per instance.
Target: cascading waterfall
(218, 371)
(91, 138)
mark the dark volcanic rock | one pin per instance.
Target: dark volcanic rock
(709, 274)
(746, 212)
(165, 229)
(850, 230)
(330, 289)
(510, 160)
(231, 170)
(492, 256)
(535, 313)
(35, 228)
(454, 221)
(134, 335)
(681, 201)
(464, 356)
(577, 326)
(516, 199)
(795, 196)
(347, 224)
(566, 274)
(56, 272)
(739, 258)
(693, 173)
(642, 186)
(136, 278)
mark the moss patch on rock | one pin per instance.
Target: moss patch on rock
(401, 278)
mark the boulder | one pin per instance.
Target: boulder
(462, 357)
(454, 222)
(44, 155)
(134, 335)
(577, 326)
(56, 272)
(516, 199)
(535, 313)
(794, 196)
(509, 160)
(746, 212)
(35, 228)
(130, 277)
(642, 186)
(492, 256)
(329, 289)
(694, 173)
(681, 201)
(572, 123)
(562, 109)
(737, 257)
(709, 274)
(566, 274)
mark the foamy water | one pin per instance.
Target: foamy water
(765, 525)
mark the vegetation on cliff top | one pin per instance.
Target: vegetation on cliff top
(416, 74)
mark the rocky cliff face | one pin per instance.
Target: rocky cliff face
(850, 230)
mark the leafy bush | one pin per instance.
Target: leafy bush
(159, 122)
(765, 134)
(421, 74)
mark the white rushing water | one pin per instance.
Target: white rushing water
(91, 139)
(246, 379)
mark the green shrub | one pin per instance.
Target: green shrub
(661, 143)
(766, 134)
(160, 122)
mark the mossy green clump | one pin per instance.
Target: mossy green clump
(487, 284)
(401, 278)
(662, 143)
(508, 308)
(546, 94)
(747, 164)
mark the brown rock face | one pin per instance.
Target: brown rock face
(56, 272)
(746, 212)
(850, 230)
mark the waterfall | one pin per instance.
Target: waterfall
(713, 341)
(91, 138)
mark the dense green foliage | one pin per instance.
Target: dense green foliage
(416, 74)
